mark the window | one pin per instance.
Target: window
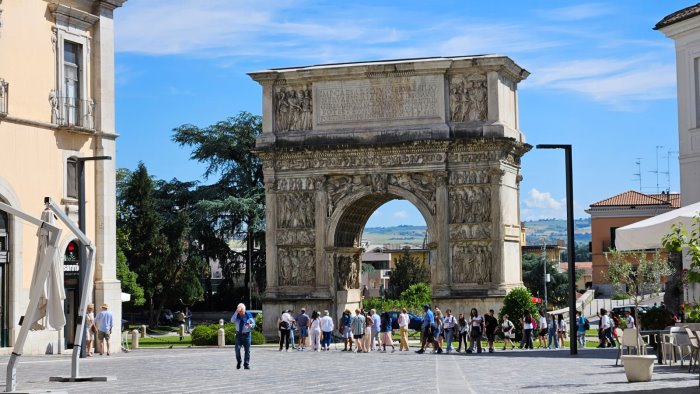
(612, 237)
(70, 102)
(72, 178)
(4, 241)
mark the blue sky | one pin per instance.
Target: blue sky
(601, 78)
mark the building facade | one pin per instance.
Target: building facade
(56, 109)
(683, 27)
(615, 212)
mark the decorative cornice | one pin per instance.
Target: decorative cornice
(70, 16)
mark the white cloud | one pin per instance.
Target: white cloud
(401, 214)
(541, 205)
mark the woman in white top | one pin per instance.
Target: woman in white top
(527, 321)
(91, 329)
(561, 329)
(508, 330)
(315, 331)
(403, 321)
(476, 322)
(541, 337)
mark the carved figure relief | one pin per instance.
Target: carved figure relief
(295, 184)
(470, 177)
(296, 266)
(296, 237)
(296, 210)
(423, 185)
(471, 264)
(366, 159)
(293, 109)
(470, 231)
(348, 269)
(470, 204)
(468, 99)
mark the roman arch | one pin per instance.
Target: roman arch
(340, 140)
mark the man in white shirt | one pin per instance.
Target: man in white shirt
(449, 326)
(606, 329)
(285, 324)
(629, 319)
(327, 330)
(403, 321)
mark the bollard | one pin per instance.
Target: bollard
(182, 331)
(143, 331)
(222, 338)
(135, 339)
(221, 322)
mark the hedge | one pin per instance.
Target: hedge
(208, 335)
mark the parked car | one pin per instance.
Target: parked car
(619, 311)
(414, 322)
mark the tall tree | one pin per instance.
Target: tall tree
(408, 270)
(127, 277)
(533, 278)
(235, 203)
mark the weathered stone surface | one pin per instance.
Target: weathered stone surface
(413, 130)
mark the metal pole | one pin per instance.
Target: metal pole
(570, 249)
(570, 242)
(544, 266)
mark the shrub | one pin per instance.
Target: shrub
(259, 322)
(657, 319)
(416, 295)
(516, 302)
(208, 335)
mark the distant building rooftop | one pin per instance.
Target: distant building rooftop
(635, 198)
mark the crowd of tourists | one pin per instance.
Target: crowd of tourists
(367, 330)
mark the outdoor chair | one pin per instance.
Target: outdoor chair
(681, 344)
(628, 339)
(667, 342)
(694, 349)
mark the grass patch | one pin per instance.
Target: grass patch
(173, 341)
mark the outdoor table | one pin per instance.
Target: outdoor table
(656, 335)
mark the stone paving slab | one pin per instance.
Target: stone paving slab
(204, 370)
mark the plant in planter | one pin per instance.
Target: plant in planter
(637, 273)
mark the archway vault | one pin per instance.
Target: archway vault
(341, 140)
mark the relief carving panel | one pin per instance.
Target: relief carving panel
(471, 263)
(470, 231)
(471, 204)
(348, 269)
(297, 266)
(293, 108)
(470, 177)
(468, 98)
(296, 237)
(296, 210)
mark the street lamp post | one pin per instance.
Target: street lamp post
(544, 265)
(81, 225)
(569, 242)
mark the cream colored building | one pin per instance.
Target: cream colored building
(56, 106)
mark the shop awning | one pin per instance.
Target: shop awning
(647, 234)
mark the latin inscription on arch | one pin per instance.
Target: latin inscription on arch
(368, 100)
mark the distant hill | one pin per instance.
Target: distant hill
(551, 229)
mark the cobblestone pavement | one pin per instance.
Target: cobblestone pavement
(213, 370)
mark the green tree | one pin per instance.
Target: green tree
(235, 204)
(515, 304)
(126, 276)
(533, 278)
(129, 280)
(408, 270)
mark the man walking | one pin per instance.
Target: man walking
(245, 323)
(580, 329)
(428, 329)
(358, 330)
(104, 324)
(303, 323)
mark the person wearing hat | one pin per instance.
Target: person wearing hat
(327, 331)
(104, 323)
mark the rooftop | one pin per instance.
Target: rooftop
(635, 198)
(678, 16)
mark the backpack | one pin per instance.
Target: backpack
(284, 325)
(346, 320)
(586, 324)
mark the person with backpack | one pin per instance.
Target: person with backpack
(490, 325)
(508, 330)
(552, 332)
(581, 326)
(463, 332)
(542, 334)
(449, 326)
(476, 322)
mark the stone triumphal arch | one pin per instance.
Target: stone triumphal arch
(340, 140)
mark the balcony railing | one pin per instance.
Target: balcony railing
(4, 93)
(72, 112)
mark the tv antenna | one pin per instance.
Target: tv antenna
(638, 174)
(668, 169)
(656, 171)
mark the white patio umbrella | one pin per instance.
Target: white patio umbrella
(647, 234)
(50, 312)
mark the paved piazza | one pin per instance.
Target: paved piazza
(213, 370)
